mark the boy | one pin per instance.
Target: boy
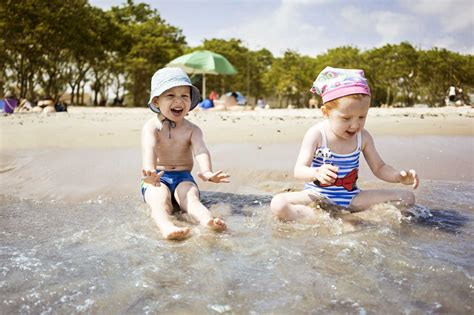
(169, 142)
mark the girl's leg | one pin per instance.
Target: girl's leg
(159, 200)
(295, 205)
(187, 196)
(368, 198)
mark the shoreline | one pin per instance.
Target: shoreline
(92, 152)
(99, 127)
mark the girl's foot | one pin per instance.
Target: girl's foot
(217, 225)
(176, 233)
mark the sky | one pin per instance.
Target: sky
(311, 27)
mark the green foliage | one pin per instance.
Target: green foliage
(451, 69)
(250, 65)
(288, 78)
(146, 44)
(237, 54)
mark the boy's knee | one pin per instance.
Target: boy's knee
(279, 205)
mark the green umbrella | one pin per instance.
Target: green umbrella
(203, 62)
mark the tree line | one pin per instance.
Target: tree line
(50, 47)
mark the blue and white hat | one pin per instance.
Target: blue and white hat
(167, 78)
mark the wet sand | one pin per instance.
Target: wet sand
(81, 154)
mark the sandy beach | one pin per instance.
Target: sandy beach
(89, 127)
(90, 152)
(79, 152)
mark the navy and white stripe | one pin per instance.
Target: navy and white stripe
(345, 163)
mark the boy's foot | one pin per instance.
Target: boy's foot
(217, 225)
(176, 233)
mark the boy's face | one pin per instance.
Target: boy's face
(348, 117)
(174, 103)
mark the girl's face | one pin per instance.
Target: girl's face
(348, 117)
(174, 103)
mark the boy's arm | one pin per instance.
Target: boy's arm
(148, 153)
(382, 170)
(203, 159)
(325, 174)
(148, 146)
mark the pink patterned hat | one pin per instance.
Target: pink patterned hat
(334, 83)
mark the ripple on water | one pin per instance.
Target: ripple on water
(107, 257)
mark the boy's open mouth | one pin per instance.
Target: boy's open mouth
(177, 111)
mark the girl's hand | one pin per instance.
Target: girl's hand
(326, 174)
(409, 178)
(216, 177)
(152, 178)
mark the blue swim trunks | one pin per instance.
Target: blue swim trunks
(171, 179)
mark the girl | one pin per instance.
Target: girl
(329, 156)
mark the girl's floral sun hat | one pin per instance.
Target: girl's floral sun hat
(334, 83)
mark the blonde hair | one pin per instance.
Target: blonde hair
(328, 106)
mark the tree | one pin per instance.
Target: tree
(147, 43)
(237, 55)
(341, 57)
(391, 71)
(439, 69)
(290, 78)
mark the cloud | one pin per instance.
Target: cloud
(304, 2)
(394, 26)
(387, 25)
(453, 15)
(425, 25)
(444, 42)
(450, 43)
(283, 29)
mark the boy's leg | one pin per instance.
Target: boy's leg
(295, 205)
(369, 198)
(159, 200)
(187, 196)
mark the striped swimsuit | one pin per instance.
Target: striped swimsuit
(344, 189)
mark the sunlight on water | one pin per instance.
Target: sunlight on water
(105, 256)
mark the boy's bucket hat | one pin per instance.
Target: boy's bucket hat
(334, 83)
(167, 78)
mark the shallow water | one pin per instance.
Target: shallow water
(105, 256)
(77, 238)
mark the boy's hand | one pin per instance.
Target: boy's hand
(326, 174)
(409, 178)
(216, 177)
(151, 177)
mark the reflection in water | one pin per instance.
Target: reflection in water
(106, 256)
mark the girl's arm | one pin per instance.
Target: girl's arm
(326, 174)
(382, 170)
(203, 159)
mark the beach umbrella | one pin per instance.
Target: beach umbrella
(203, 62)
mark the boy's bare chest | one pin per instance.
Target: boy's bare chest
(172, 142)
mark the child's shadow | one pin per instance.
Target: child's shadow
(236, 202)
(449, 221)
